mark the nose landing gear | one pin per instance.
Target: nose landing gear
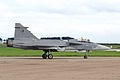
(86, 54)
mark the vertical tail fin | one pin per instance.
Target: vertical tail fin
(21, 33)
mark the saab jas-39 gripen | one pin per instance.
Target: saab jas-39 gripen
(24, 39)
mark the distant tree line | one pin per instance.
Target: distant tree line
(0, 39)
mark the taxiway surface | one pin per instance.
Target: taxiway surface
(59, 68)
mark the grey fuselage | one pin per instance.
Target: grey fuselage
(23, 38)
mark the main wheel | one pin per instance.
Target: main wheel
(50, 56)
(85, 57)
(44, 56)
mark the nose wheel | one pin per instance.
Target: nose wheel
(86, 54)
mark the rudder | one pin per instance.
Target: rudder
(21, 33)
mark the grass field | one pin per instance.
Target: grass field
(114, 46)
(13, 52)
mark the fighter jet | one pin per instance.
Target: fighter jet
(24, 39)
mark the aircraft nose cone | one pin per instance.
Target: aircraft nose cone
(101, 47)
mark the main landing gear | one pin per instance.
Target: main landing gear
(45, 55)
(86, 54)
(48, 55)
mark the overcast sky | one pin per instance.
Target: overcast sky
(97, 20)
